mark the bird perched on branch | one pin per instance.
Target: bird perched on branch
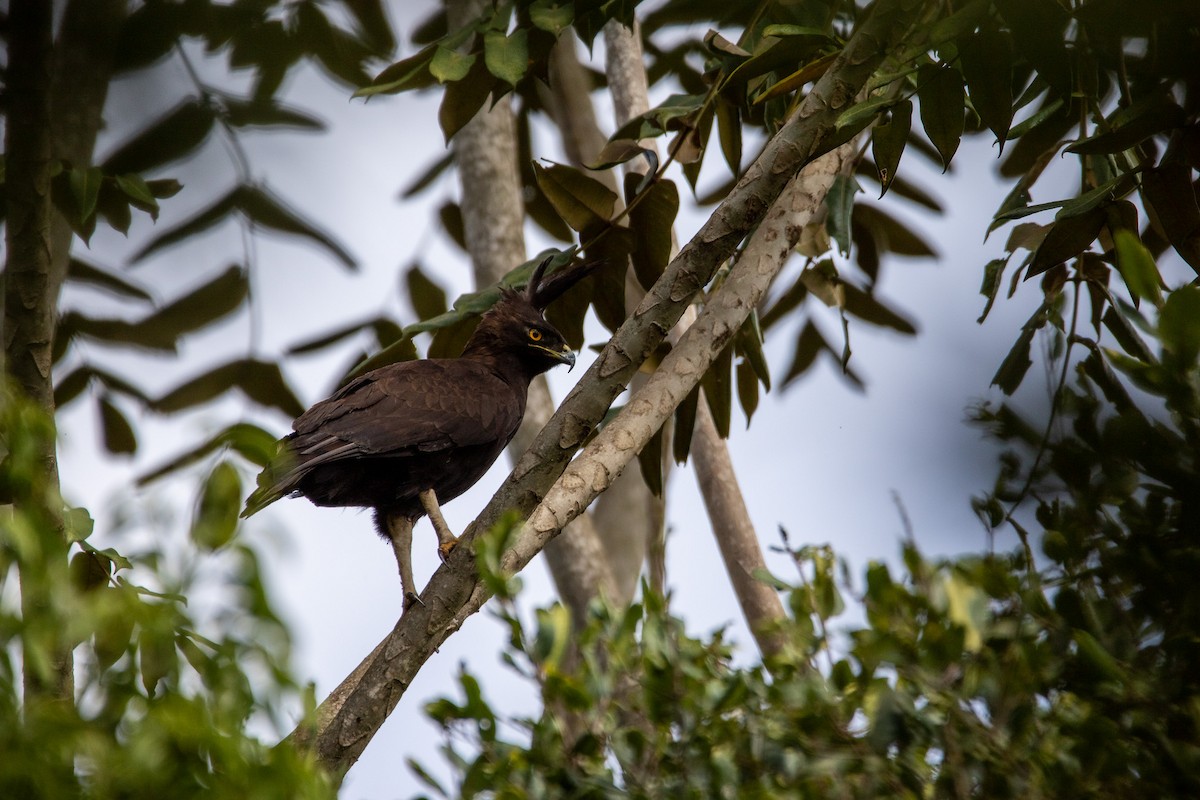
(405, 437)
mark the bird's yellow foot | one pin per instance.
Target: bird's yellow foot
(445, 548)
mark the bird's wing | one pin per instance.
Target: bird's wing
(411, 407)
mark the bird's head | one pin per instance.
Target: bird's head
(516, 326)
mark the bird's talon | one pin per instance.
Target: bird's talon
(444, 550)
(411, 599)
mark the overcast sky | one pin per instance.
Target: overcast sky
(820, 459)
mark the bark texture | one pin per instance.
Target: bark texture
(30, 304)
(454, 593)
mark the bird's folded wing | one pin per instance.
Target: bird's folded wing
(416, 406)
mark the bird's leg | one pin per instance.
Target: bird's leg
(399, 531)
(446, 539)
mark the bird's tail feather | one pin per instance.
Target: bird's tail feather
(277, 479)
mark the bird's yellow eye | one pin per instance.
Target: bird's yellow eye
(535, 335)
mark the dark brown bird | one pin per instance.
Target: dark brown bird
(403, 438)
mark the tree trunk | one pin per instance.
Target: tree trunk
(30, 301)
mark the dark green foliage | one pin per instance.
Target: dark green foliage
(166, 697)
(982, 676)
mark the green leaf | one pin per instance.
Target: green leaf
(114, 632)
(216, 517)
(156, 653)
(507, 57)
(787, 302)
(89, 571)
(450, 65)
(552, 16)
(672, 114)
(1051, 112)
(809, 345)
(1171, 200)
(718, 390)
(85, 189)
(652, 220)
(462, 99)
(750, 345)
(147, 34)
(137, 190)
(250, 441)
(987, 65)
(579, 199)
(78, 524)
(402, 349)
(865, 307)
(427, 298)
(992, 273)
(886, 714)
(263, 208)
(260, 381)
(618, 151)
(888, 141)
(426, 178)
(267, 113)
(197, 309)
(409, 73)
(80, 271)
(119, 438)
(1012, 370)
(1066, 239)
(1179, 325)
(729, 129)
(940, 91)
(890, 233)
(1137, 267)
(860, 114)
(840, 201)
(650, 463)
(968, 607)
(375, 324)
(1038, 28)
(162, 329)
(168, 139)
(260, 207)
(1126, 335)
(1156, 115)
(607, 284)
(747, 388)
(685, 423)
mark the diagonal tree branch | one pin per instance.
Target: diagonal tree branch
(344, 729)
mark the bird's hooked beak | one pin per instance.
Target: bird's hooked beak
(564, 355)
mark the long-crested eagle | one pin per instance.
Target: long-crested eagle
(405, 437)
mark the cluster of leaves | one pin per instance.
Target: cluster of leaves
(163, 709)
(267, 40)
(985, 676)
